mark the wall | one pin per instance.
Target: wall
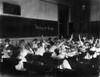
(95, 17)
(1, 7)
(36, 9)
(95, 10)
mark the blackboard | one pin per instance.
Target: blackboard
(18, 27)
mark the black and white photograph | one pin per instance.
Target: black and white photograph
(49, 38)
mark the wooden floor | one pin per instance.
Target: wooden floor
(25, 74)
(7, 75)
(7, 72)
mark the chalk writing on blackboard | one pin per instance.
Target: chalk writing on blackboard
(39, 27)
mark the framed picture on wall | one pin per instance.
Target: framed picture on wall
(9, 8)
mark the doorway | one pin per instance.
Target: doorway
(63, 12)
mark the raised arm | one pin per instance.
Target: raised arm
(95, 42)
(80, 40)
(44, 42)
(70, 38)
(61, 43)
(42, 37)
(92, 40)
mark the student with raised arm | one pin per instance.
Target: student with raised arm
(24, 51)
(70, 38)
(80, 41)
(98, 46)
(92, 40)
(44, 42)
(94, 46)
(7, 50)
(41, 47)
